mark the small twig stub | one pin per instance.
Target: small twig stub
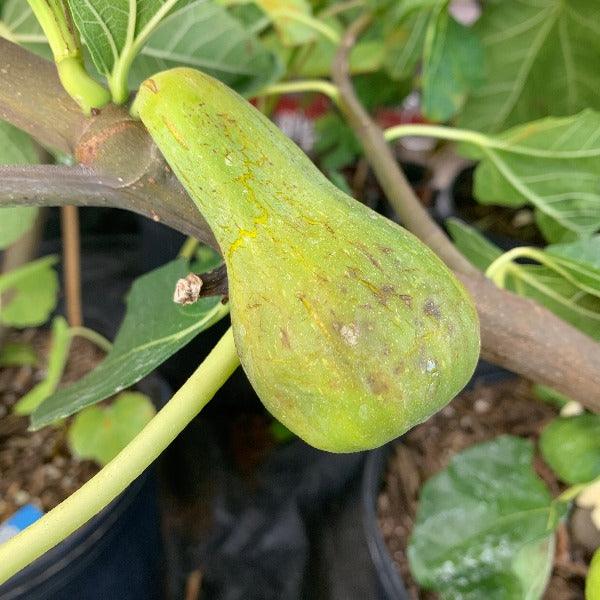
(213, 283)
(187, 290)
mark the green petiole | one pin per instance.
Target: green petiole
(55, 20)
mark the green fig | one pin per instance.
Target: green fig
(349, 328)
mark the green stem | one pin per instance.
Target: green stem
(91, 336)
(497, 270)
(57, 361)
(483, 141)
(553, 264)
(117, 81)
(93, 496)
(542, 258)
(6, 33)
(503, 265)
(189, 247)
(437, 131)
(308, 85)
(55, 20)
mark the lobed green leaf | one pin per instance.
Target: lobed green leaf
(541, 59)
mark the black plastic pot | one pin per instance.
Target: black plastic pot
(389, 584)
(117, 555)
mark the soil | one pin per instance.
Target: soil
(36, 466)
(475, 416)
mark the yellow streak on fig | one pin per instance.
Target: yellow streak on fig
(350, 329)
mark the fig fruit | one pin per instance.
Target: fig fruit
(349, 328)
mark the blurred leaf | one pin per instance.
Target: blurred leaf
(14, 222)
(452, 66)
(552, 164)
(315, 60)
(16, 148)
(100, 432)
(552, 231)
(336, 145)
(281, 433)
(404, 47)
(204, 35)
(571, 446)
(592, 581)
(19, 25)
(582, 256)
(153, 329)
(484, 528)
(293, 32)
(339, 180)
(377, 90)
(405, 27)
(472, 244)
(17, 354)
(57, 360)
(28, 294)
(541, 59)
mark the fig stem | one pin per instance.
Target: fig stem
(93, 496)
(55, 19)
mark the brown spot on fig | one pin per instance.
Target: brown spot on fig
(377, 383)
(407, 299)
(365, 250)
(386, 292)
(177, 135)
(350, 333)
(285, 338)
(431, 309)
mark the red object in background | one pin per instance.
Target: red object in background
(390, 117)
(295, 115)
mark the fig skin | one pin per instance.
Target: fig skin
(350, 329)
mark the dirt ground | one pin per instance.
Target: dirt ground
(36, 466)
